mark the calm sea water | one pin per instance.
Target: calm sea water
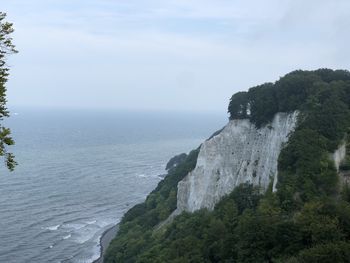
(79, 171)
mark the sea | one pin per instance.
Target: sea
(79, 171)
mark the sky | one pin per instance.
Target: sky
(178, 55)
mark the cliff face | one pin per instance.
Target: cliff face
(339, 155)
(239, 153)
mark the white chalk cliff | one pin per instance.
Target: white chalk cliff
(339, 155)
(239, 153)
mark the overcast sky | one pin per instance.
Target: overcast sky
(166, 54)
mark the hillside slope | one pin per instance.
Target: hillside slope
(306, 220)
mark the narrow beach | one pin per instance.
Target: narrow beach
(106, 238)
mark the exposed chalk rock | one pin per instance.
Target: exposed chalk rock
(339, 155)
(239, 153)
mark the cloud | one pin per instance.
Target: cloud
(167, 54)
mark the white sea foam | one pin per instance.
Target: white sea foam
(155, 175)
(67, 236)
(75, 226)
(150, 176)
(52, 228)
(96, 253)
(87, 233)
(104, 223)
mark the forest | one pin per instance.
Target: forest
(306, 220)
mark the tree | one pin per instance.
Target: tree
(6, 48)
(238, 107)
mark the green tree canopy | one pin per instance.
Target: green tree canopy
(6, 48)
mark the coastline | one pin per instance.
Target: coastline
(109, 234)
(105, 240)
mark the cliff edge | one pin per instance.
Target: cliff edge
(240, 153)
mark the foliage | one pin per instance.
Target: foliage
(137, 224)
(328, 253)
(238, 106)
(291, 92)
(176, 160)
(345, 165)
(306, 220)
(6, 48)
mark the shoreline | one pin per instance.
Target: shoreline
(109, 234)
(105, 240)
